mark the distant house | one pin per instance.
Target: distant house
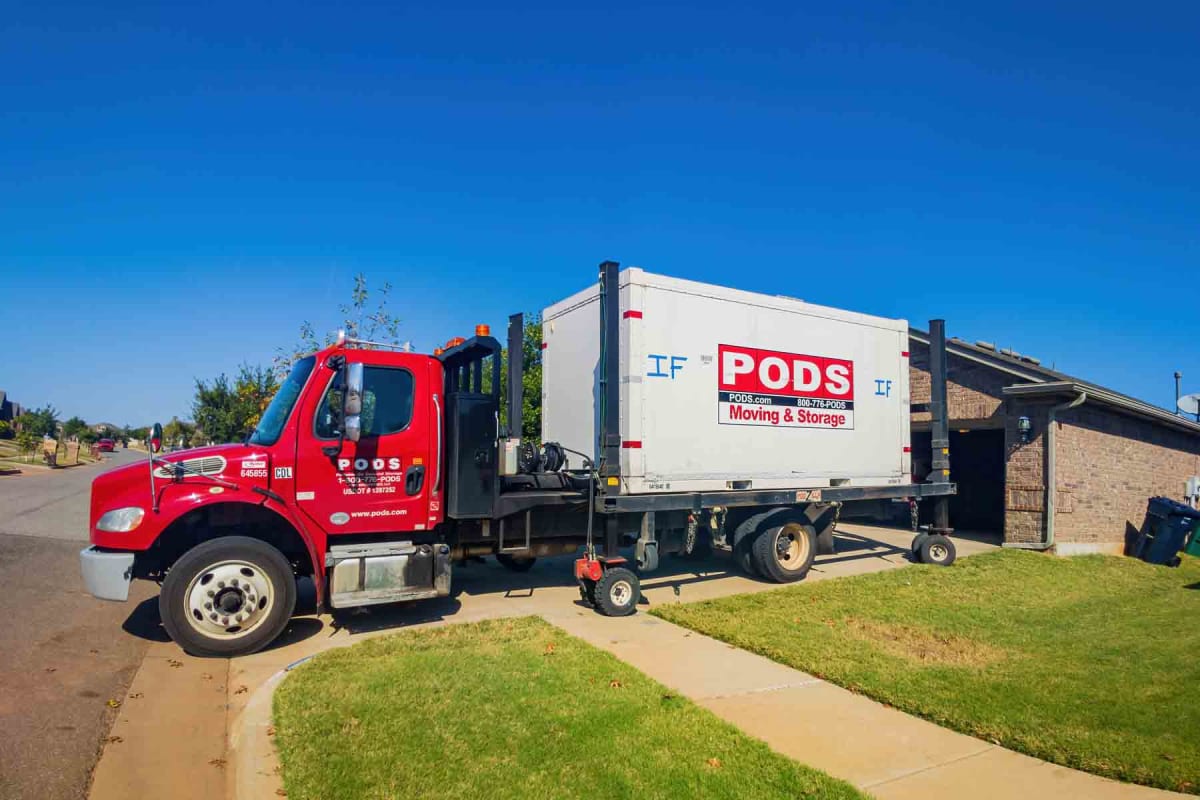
(1110, 454)
(9, 410)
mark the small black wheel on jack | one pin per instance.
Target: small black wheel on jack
(937, 549)
(617, 592)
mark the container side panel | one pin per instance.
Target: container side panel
(735, 391)
(570, 376)
(720, 387)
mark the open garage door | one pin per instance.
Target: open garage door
(977, 466)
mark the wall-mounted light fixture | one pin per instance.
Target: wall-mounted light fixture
(1025, 428)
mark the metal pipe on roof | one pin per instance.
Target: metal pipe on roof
(1051, 479)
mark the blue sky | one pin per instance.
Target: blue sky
(181, 186)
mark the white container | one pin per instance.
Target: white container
(725, 389)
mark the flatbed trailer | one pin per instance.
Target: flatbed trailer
(374, 472)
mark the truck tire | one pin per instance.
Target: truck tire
(937, 549)
(227, 597)
(516, 563)
(617, 592)
(784, 553)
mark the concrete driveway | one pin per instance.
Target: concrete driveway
(63, 654)
(180, 737)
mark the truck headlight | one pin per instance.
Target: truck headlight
(120, 520)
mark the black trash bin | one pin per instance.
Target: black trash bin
(1165, 531)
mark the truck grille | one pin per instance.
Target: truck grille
(208, 465)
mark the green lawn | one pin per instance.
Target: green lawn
(511, 709)
(1092, 662)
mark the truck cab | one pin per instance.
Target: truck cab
(342, 481)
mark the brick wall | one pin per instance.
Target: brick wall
(972, 390)
(1024, 484)
(1108, 464)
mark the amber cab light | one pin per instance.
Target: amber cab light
(483, 330)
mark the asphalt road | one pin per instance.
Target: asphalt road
(63, 654)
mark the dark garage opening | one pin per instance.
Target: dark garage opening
(977, 466)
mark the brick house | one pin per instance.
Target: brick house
(9, 410)
(1110, 452)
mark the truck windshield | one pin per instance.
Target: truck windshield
(277, 413)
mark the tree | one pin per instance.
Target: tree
(531, 382)
(74, 428)
(40, 422)
(227, 412)
(6, 431)
(178, 433)
(138, 434)
(362, 319)
(255, 388)
(215, 411)
(27, 441)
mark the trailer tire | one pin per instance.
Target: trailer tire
(743, 556)
(248, 577)
(937, 549)
(784, 553)
(587, 592)
(618, 592)
(516, 563)
(917, 541)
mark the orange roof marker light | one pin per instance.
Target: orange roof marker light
(437, 351)
(483, 330)
(455, 342)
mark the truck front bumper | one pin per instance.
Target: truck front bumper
(106, 573)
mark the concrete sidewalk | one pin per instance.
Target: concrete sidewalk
(202, 728)
(884, 752)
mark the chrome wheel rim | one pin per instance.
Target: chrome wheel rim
(228, 600)
(938, 552)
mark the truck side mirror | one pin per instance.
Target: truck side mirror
(156, 438)
(352, 402)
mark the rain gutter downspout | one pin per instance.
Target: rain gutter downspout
(1050, 477)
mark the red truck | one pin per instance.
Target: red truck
(374, 471)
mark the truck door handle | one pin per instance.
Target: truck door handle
(414, 479)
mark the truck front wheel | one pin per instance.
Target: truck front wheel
(227, 597)
(784, 553)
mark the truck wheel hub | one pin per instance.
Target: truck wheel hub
(228, 600)
(620, 593)
(791, 547)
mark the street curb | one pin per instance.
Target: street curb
(252, 751)
(250, 743)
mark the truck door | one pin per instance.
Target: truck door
(382, 482)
